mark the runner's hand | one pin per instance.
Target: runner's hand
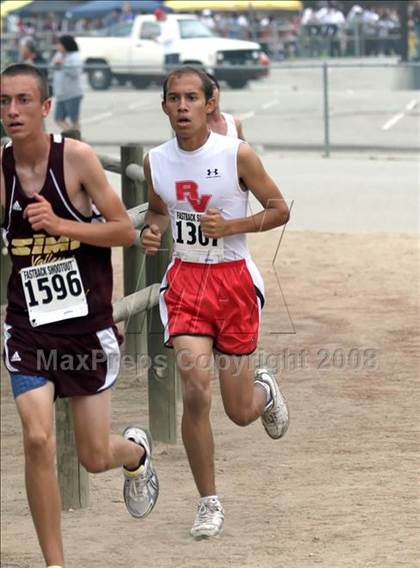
(213, 224)
(150, 240)
(41, 216)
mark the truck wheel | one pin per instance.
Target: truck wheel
(140, 82)
(100, 79)
(237, 83)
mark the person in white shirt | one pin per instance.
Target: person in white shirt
(67, 83)
(223, 122)
(212, 292)
(168, 36)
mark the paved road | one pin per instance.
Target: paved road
(348, 194)
(343, 194)
(282, 111)
(374, 190)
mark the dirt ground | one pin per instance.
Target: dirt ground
(339, 491)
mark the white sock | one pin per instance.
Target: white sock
(209, 498)
(267, 390)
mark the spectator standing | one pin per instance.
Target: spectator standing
(370, 30)
(113, 18)
(354, 25)
(67, 83)
(332, 22)
(29, 53)
(415, 16)
(127, 14)
(168, 35)
(387, 26)
(207, 19)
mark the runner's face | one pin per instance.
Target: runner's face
(22, 110)
(186, 104)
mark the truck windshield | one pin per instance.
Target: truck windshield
(122, 29)
(193, 28)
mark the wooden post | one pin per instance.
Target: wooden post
(133, 193)
(162, 373)
(72, 477)
(72, 133)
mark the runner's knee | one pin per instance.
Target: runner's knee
(197, 399)
(239, 416)
(94, 461)
(39, 444)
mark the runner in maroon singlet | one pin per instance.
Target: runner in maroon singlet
(60, 339)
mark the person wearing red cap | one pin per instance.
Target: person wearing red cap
(168, 36)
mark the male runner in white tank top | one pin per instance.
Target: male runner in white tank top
(223, 122)
(212, 292)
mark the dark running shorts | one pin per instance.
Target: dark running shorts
(78, 365)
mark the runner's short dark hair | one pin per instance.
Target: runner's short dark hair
(213, 80)
(206, 83)
(16, 69)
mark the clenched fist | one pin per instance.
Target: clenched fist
(213, 224)
(41, 216)
(150, 240)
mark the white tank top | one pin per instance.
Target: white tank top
(192, 182)
(232, 131)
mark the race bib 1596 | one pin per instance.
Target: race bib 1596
(54, 292)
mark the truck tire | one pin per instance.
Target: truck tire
(237, 83)
(100, 79)
(121, 79)
(140, 82)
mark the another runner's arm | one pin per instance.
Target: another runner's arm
(252, 173)
(239, 128)
(118, 229)
(157, 213)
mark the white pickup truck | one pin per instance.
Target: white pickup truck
(133, 51)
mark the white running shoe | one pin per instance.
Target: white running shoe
(141, 487)
(275, 418)
(209, 519)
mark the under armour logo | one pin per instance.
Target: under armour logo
(213, 173)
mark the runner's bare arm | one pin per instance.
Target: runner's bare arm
(252, 174)
(239, 128)
(117, 231)
(156, 219)
(157, 213)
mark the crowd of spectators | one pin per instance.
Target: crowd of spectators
(327, 28)
(362, 31)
